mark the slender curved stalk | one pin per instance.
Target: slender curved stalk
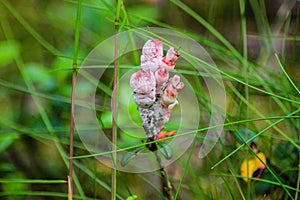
(167, 186)
(245, 69)
(74, 73)
(286, 74)
(114, 104)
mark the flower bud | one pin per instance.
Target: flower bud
(152, 55)
(143, 85)
(168, 62)
(153, 48)
(172, 55)
(176, 83)
(161, 76)
(171, 91)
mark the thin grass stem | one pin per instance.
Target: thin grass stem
(74, 74)
(114, 102)
(286, 74)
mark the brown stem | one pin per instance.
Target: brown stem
(74, 74)
(114, 115)
(70, 178)
(114, 105)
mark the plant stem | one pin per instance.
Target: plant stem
(244, 44)
(167, 186)
(114, 104)
(74, 73)
(70, 178)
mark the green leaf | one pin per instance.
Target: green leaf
(243, 135)
(106, 118)
(6, 140)
(133, 197)
(131, 154)
(8, 51)
(165, 150)
(40, 75)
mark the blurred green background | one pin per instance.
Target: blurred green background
(36, 50)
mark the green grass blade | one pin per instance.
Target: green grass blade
(286, 74)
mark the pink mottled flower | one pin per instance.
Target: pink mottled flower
(169, 96)
(161, 76)
(152, 54)
(171, 91)
(176, 82)
(153, 91)
(164, 112)
(143, 85)
(163, 116)
(153, 48)
(168, 62)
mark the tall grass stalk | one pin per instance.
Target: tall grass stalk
(245, 70)
(31, 89)
(114, 103)
(74, 74)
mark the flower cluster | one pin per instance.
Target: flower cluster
(154, 91)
